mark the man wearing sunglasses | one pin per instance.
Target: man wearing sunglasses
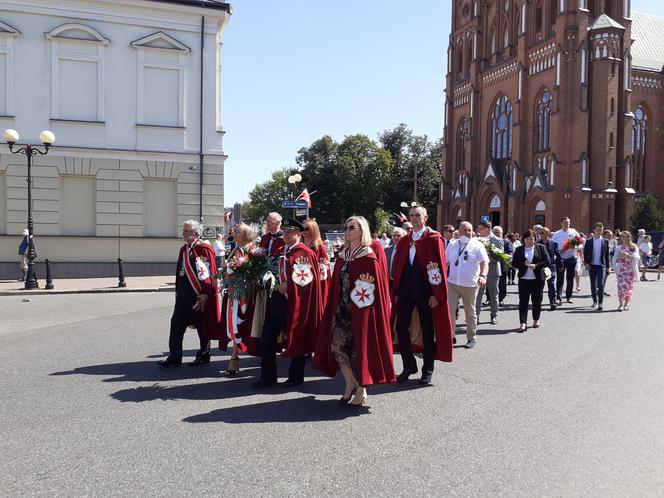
(419, 272)
(469, 266)
(294, 309)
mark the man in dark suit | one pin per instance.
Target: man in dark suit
(596, 256)
(448, 234)
(397, 233)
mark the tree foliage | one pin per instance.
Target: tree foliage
(357, 176)
(647, 215)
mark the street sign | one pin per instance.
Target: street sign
(485, 218)
(293, 204)
(301, 212)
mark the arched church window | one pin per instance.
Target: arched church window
(501, 129)
(639, 145)
(462, 137)
(544, 121)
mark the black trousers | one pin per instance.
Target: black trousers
(183, 316)
(530, 290)
(551, 285)
(597, 280)
(502, 286)
(275, 322)
(405, 308)
(567, 266)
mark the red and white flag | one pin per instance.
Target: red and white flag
(305, 197)
(227, 216)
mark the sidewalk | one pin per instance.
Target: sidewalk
(91, 286)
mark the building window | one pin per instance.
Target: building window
(78, 206)
(539, 17)
(611, 140)
(628, 69)
(639, 146)
(584, 66)
(161, 80)
(584, 172)
(77, 73)
(506, 38)
(160, 205)
(543, 124)
(626, 8)
(522, 19)
(7, 35)
(494, 46)
(501, 129)
(583, 4)
(628, 174)
(459, 56)
(462, 137)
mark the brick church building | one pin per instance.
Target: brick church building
(552, 109)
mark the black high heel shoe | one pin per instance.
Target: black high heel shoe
(233, 371)
(357, 406)
(344, 401)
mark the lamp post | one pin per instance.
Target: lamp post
(294, 180)
(46, 138)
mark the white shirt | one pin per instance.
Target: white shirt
(219, 248)
(646, 248)
(464, 258)
(597, 251)
(560, 237)
(416, 236)
(530, 274)
(385, 242)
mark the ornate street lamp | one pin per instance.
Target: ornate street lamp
(46, 138)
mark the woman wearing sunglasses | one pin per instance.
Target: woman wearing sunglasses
(312, 239)
(354, 336)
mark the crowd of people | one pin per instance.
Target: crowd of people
(380, 295)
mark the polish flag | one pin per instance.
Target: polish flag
(305, 197)
(227, 216)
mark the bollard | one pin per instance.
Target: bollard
(121, 280)
(49, 280)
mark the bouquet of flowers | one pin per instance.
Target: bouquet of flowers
(572, 243)
(496, 255)
(248, 267)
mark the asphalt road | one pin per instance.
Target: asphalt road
(575, 408)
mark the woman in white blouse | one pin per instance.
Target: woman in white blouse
(530, 259)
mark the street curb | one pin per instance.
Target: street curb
(44, 292)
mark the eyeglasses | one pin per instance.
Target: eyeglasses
(350, 228)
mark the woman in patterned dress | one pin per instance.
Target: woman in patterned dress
(625, 263)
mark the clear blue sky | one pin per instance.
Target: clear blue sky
(295, 70)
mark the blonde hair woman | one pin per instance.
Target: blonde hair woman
(239, 315)
(626, 264)
(354, 336)
(312, 239)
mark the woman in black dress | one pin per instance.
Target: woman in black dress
(529, 260)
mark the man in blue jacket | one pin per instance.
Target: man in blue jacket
(596, 256)
(554, 256)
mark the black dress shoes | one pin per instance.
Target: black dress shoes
(264, 384)
(403, 376)
(426, 379)
(201, 359)
(169, 362)
(292, 382)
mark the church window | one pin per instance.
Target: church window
(639, 145)
(544, 121)
(501, 129)
(462, 137)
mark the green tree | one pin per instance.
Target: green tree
(267, 196)
(410, 154)
(647, 215)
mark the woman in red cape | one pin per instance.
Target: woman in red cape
(237, 315)
(354, 336)
(312, 239)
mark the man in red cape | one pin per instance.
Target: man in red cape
(196, 297)
(420, 283)
(273, 240)
(294, 309)
(369, 324)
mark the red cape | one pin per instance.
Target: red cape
(429, 249)
(370, 325)
(325, 275)
(304, 308)
(277, 246)
(212, 322)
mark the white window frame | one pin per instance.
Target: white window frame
(144, 60)
(584, 172)
(583, 61)
(7, 36)
(522, 27)
(63, 48)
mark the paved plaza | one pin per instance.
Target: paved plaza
(574, 408)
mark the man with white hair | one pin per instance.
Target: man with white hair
(469, 266)
(419, 271)
(273, 240)
(196, 297)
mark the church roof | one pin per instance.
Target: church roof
(603, 22)
(210, 4)
(648, 47)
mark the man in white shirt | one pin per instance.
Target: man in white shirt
(385, 241)
(468, 268)
(568, 259)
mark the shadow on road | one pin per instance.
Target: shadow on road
(306, 409)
